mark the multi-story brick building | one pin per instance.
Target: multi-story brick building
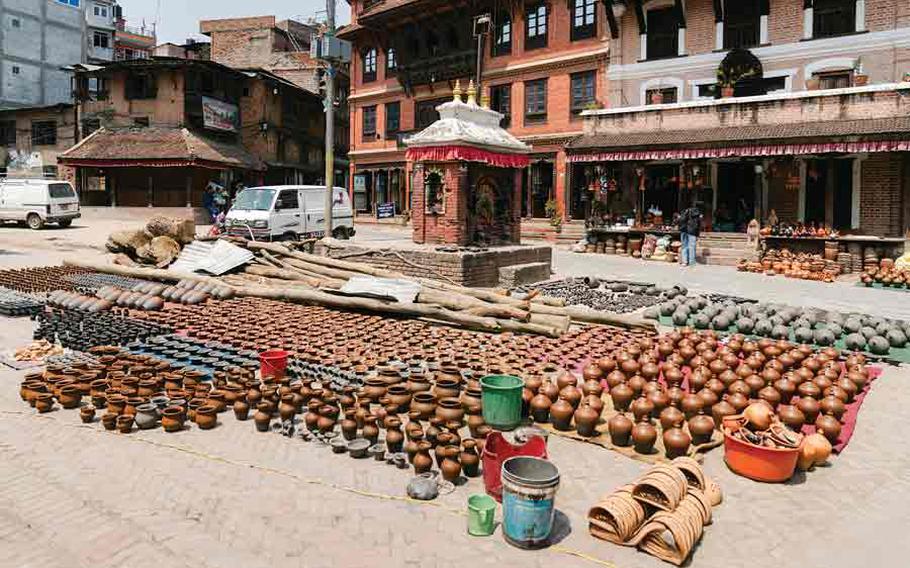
(282, 48)
(156, 131)
(796, 106)
(31, 138)
(542, 64)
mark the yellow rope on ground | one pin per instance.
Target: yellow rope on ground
(307, 480)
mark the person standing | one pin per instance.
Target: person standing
(689, 229)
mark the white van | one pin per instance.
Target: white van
(38, 201)
(288, 212)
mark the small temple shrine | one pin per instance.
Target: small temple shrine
(467, 176)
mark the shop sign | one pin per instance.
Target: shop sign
(219, 115)
(385, 210)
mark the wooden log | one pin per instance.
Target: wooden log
(141, 272)
(561, 323)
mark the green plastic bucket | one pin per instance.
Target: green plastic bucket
(501, 396)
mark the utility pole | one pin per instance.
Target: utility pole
(329, 122)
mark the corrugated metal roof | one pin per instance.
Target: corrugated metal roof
(215, 258)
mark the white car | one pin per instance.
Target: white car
(38, 201)
(288, 212)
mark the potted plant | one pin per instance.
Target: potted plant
(860, 79)
(552, 210)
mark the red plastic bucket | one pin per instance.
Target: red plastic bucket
(273, 363)
(497, 449)
(771, 465)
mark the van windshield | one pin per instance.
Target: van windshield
(60, 190)
(254, 199)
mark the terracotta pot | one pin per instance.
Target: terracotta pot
(70, 397)
(540, 408)
(809, 407)
(701, 427)
(469, 458)
(394, 437)
(828, 426)
(721, 410)
(450, 409)
(263, 417)
(621, 395)
(571, 394)
(447, 388)
(644, 435)
(44, 402)
(676, 442)
(370, 429)
(87, 414)
(561, 413)
(641, 407)
(586, 419)
(620, 427)
(549, 389)
(424, 403)
(207, 416)
(671, 417)
(125, 423)
(450, 467)
(241, 409)
(109, 421)
(422, 461)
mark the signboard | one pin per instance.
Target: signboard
(385, 210)
(219, 115)
(360, 183)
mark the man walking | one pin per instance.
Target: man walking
(689, 229)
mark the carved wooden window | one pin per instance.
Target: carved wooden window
(369, 65)
(536, 100)
(833, 17)
(742, 24)
(501, 102)
(584, 90)
(502, 35)
(584, 19)
(663, 33)
(536, 26)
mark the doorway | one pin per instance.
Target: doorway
(538, 189)
(735, 196)
(829, 187)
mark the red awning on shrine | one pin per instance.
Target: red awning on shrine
(467, 153)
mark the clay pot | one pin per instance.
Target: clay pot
(691, 404)
(721, 410)
(615, 378)
(586, 419)
(109, 421)
(644, 435)
(125, 423)
(620, 427)
(241, 409)
(370, 430)
(561, 413)
(207, 416)
(374, 389)
(833, 406)
(571, 394)
(549, 389)
(848, 387)
(422, 460)
(172, 419)
(450, 468)
(701, 427)
(450, 409)
(469, 458)
(287, 409)
(146, 416)
(44, 402)
(394, 438)
(670, 417)
(263, 416)
(770, 395)
(447, 388)
(592, 388)
(791, 416)
(641, 407)
(87, 414)
(676, 442)
(659, 400)
(828, 426)
(809, 389)
(738, 401)
(327, 418)
(809, 407)
(349, 425)
(622, 395)
(540, 408)
(424, 403)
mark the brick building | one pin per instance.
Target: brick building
(157, 131)
(283, 49)
(796, 106)
(31, 138)
(542, 64)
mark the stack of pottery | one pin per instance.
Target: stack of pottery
(663, 512)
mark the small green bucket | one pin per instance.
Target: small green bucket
(481, 515)
(502, 401)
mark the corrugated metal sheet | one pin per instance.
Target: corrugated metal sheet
(215, 258)
(385, 288)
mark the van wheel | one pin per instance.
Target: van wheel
(34, 221)
(292, 237)
(341, 233)
(65, 223)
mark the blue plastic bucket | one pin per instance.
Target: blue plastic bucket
(529, 487)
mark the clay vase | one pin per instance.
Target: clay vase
(470, 459)
(423, 461)
(660, 400)
(540, 408)
(475, 419)
(394, 438)
(701, 427)
(561, 414)
(451, 469)
(721, 410)
(349, 425)
(125, 423)
(70, 397)
(641, 407)
(571, 394)
(792, 416)
(620, 427)
(809, 407)
(109, 420)
(146, 416)
(87, 414)
(676, 442)
(592, 387)
(832, 405)
(44, 402)
(586, 419)
(410, 447)
(671, 417)
(287, 409)
(622, 395)
(207, 416)
(263, 417)
(644, 435)
(691, 404)
(241, 409)
(370, 429)
(172, 419)
(550, 390)
(450, 409)
(828, 426)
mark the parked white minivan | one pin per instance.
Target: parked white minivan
(38, 201)
(288, 212)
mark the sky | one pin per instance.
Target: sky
(179, 19)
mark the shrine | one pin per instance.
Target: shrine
(467, 176)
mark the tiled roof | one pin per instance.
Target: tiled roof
(865, 128)
(158, 144)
